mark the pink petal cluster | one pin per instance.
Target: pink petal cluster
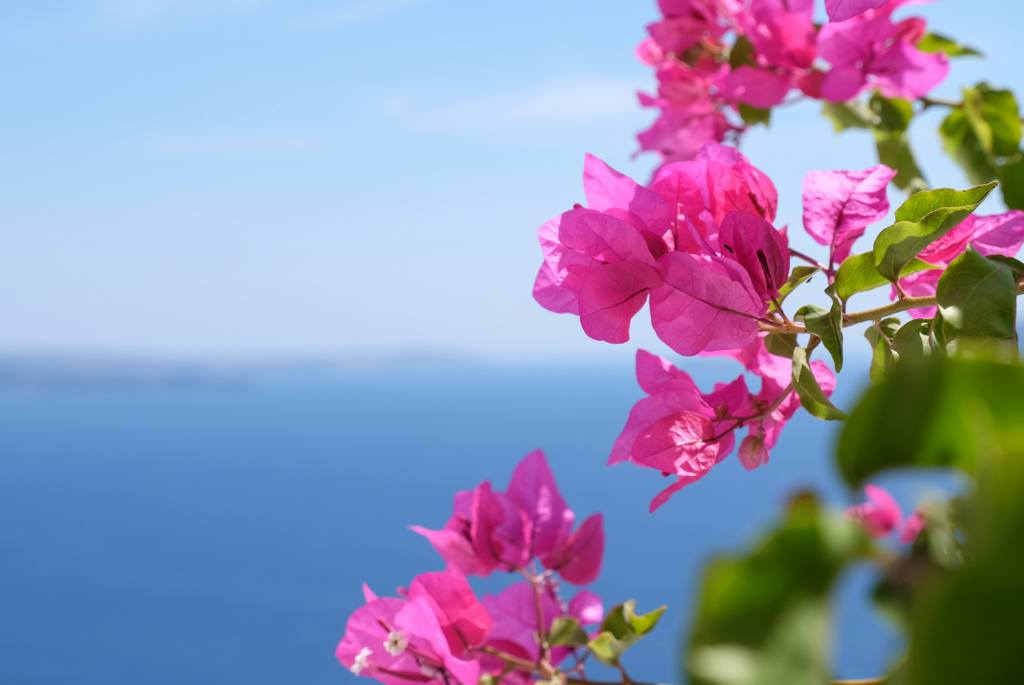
(870, 50)
(713, 56)
(840, 205)
(437, 631)
(999, 234)
(697, 242)
(491, 530)
(683, 432)
(880, 516)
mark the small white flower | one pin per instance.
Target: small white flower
(429, 671)
(361, 661)
(396, 643)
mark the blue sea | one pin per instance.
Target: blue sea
(219, 533)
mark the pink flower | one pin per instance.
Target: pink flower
(782, 33)
(759, 248)
(489, 530)
(880, 514)
(870, 50)
(431, 632)
(840, 205)
(912, 528)
(682, 432)
(999, 234)
(841, 10)
(706, 303)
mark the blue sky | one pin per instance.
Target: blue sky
(249, 178)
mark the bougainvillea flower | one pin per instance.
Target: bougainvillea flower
(870, 50)
(706, 303)
(841, 10)
(998, 234)
(757, 246)
(755, 86)
(912, 528)
(514, 611)
(880, 514)
(491, 530)
(719, 180)
(840, 205)
(782, 33)
(463, 619)
(587, 608)
(677, 430)
(597, 266)
(427, 636)
(681, 130)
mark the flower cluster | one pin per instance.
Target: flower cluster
(698, 242)
(716, 58)
(880, 516)
(438, 631)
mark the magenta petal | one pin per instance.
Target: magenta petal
(463, 619)
(759, 248)
(499, 530)
(841, 10)
(840, 205)
(649, 411)
(423, 627)
(880, 514)
(579, 560)
(841, 84)
(607, 189)
(515, 619)
(456, 550)
(587, 608)
(706, 304)
(611, 295)
(755, 86)
(533, 489)
(365, 630)
(912, 528)
(657, 374)
(753, 452)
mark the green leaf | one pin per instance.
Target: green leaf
(920, 221)
(566, 632)
(812, 397)
(755, 115)
(963, 147)
(797, 277)
(913, 340)
(606, 648)
(880, 335)
(893, 115)
(995, 119)
(827, 324)
(894, 151)
(961, 630)
(621, 629)
(935, 42)
(763, 615)
(978, 299)
(847, 115)
(1014, 265)
(858, 274)
(939, 412)
(742, 53)
(1011, 179)
(781, 344)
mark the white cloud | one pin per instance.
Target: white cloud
(551, 103)
(349, 12)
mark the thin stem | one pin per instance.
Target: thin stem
(938, 102)
(807, 258)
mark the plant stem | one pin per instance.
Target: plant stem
(807, 258)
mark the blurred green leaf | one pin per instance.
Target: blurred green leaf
(935, 42)
(880, 335)
(920, 221)
(742, 53)
(938, 412)
(621, 629)
(858, 274)
(763, 616)
(781, 344)
(567, 632)
(978, 299)
(797, 277)
(963, 146)
(892, 115)
(894, 151)
(965, 625)
(755, 115)
(995, 119)
(607, 648)
(913, 340)
(812, 397)
(1011, 179)
(847, 115)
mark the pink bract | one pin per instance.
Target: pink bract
(841, 10)
(880, 514)
(840, 205)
